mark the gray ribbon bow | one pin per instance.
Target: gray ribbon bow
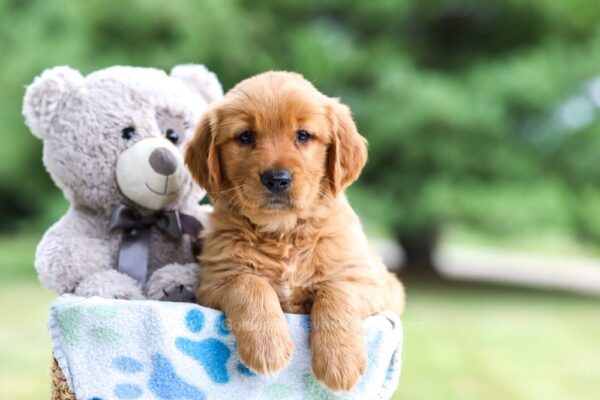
(135, 240)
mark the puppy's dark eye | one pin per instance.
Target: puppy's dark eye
(127, 133)
(172, 135)
(247, 137)
(302, 136)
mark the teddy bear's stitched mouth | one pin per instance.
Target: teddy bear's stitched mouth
(159, 193)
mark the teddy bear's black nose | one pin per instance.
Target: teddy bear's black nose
(163, 162)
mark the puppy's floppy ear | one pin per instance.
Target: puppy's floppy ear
(347, 151)
(202, 155)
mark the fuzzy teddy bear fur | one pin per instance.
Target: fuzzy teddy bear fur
(80, 120)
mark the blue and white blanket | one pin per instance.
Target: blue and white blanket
(115, 349)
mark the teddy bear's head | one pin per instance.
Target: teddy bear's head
(117, 135)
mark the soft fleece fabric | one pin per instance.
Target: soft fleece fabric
(115, 349)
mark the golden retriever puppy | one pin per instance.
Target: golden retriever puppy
(275, 155)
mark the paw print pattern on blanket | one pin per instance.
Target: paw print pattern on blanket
(221, 325)
(166, 385)
(245, 370)
(164, 382)
(316, 391)
(130, 366)
(70, 321)
(212, 354)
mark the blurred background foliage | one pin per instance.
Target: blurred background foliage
(482, 119)
(479, 114)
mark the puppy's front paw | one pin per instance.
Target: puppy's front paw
(339, 360)
(265, 349)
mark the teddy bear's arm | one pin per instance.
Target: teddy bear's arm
(174, 282)
(69, 261)
(109, 283)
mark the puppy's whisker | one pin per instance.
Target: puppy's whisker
(235, 190)
(221, 191)
(219, 195)
(328, 180)
(325, 194)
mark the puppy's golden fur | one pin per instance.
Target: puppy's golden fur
(303, 251)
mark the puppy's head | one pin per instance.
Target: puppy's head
(276, 144)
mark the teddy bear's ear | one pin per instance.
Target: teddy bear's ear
(198, 78)
(44, 95)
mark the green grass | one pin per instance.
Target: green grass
(461, 341)
(16, 258)
(24, 341)
(483, 342)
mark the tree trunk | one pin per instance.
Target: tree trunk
(418, 252)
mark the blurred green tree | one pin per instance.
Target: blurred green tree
(453, 96)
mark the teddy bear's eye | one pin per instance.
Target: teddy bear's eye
(127, 133)
(172, 135)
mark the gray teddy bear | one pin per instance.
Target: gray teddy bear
(113, 142)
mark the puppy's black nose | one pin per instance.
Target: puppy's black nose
(163, 161)
(276, 180)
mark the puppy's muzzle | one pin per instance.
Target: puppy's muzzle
(276, 180)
